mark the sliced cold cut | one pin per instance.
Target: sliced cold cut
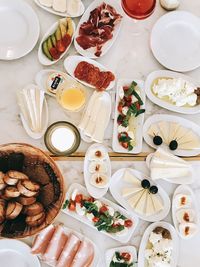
(84, 255)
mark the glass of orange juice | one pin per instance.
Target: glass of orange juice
(71, 96)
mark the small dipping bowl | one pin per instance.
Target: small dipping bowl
(62, 138)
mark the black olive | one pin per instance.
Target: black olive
(157, 140)
(153, 189)
(145, 184)
(173, 145)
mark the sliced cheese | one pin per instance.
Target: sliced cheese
(173, 128)
(164, 130)
(153, 130)
(163, 154)
(47, 3)
(130, 190)
(195, 144)
(158, 206)
(130, 178)
(160, 163)
(134, 200)
(149, 206)
(181, 132)
(60, 5)
(169, 173)
(141, 205)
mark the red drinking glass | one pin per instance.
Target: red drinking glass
(138, 9)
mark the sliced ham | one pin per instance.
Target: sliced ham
(55, 246)
(69, 251)
(84, 255)
(42, 240)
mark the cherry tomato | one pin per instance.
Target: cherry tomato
(125, 88)
(90, 199)
(79, 198)
(60, 46)
(95, 219)
(72, 205)
(66, 40)
(115, 225)
(103, 209)
(128, 223)
(124, 144)
(54, 53)
(126, 256)
(120, 108)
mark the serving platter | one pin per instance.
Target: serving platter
(140, 119)
(162, 103)
(121, 238)
(62, 14)
(171, 118)
(143, 244)
(93, 190)
(90, 52)
(172, 28)
(184, 189)
(117, 184)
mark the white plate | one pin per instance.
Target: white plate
(19, 29)
(41, 56)
(90, 53)
(145, 238)
(92, 190)
(170, 118)
(62, 14)
(180, 180)
(69, 231)
(175, 41)
(140, 119)
(117, 183)
(183, 189)
(16, 253)
(111, 252)
(164, 104)
(71, 63)
(121, 238)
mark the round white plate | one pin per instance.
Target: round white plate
(145, 238)
(16, 253)
(175, 41)
(164, 104)
(19, 29)
(183, 189)
(92, 190)
(116, 185)
(170, 118)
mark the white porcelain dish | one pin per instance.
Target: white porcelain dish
(90, 53)
(121, 238)
(162, 103)
(171, 118)
(111, 252)
(71, 63)
(19, 29)
(41, 56)
(177, 27)
(16, 253)
(92, 190)
(145, 238)
(116, 185)
(62, 14)
(140, 119)
(184, 189)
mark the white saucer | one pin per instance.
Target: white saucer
(175, 41)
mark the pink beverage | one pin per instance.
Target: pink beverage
(138, 9)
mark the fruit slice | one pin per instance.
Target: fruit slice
(54, 53)
(63, 29)
(66, 40)
(127, 191)
(11, 192)
(70, 30)
(46, 50)
(158, 206)
(60, 46)
(49, 43)
(58, 34)
(53, 39)
(13, 210)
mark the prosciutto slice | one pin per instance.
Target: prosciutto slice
(84, 255)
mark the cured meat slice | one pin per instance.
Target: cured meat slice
(84, 255)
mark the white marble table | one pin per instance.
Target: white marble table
(130, 57)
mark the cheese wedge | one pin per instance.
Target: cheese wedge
(169, 173)
(163, 154)
(181, 132)
(134, 200)
(164, 130)
(47, 3)
(195, 144)
(153, 130)
(160, 163)
(149, 206)
(141, 205)
(173, 127)
(130, 190)
(130, 178)
(60, 5)
(158, 206)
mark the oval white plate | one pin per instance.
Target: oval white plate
(90, 53)
(184, 122)
(71, 63)
(145, 238)
(164, 104)
(175, 41)
(115, 143)
(92, 190)
(116, 185)
(121, 238)
(180, 180)
(42, 58)
(111, 252)
(19, 29)
(183, 189)
(16, 253)
(62, 14)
